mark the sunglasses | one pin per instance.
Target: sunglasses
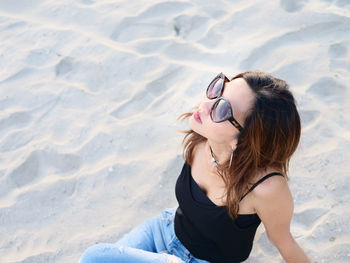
(221, 109)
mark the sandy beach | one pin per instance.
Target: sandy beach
(89, 96)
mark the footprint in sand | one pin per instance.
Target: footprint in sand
(328, 90)
(40, 57)
(310, 33)
(64, 66)
(15, 140)
(147, 97)
(15, 120)
(292, 5)
(337, 51)
(91, 73)
(309, 117)
(338, 57)
(27, 171)
(148, 24)
(43, 162)
(190, 27)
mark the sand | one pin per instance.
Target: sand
(89, 96)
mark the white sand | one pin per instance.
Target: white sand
(89, 95)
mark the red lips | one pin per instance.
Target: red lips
(197, 117)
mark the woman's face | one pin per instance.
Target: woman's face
(241, 98)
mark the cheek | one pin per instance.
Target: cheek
(218, 132)
(221, 133)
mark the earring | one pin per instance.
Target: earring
(231, 159)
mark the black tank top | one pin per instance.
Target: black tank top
(199, 196)
(206, 230)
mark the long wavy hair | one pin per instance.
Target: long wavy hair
(270, 136)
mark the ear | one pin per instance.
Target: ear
(233, 144)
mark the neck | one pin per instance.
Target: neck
(221, 153)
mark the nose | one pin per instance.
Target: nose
(206, 106)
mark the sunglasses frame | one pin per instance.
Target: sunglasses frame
(218, 98)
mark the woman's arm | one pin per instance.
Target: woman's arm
(274, 205)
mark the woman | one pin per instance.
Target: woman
(234, 176)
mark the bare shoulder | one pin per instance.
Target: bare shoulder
(273, 201)
(271, 187)
(274, 205)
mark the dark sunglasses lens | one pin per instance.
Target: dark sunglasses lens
(221, 111)
(215, 88)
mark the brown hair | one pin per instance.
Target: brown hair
(270, 136)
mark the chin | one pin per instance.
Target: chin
(195, 126)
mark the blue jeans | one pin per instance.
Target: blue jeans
(152, 241)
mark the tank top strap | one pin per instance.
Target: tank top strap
(258, 182)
